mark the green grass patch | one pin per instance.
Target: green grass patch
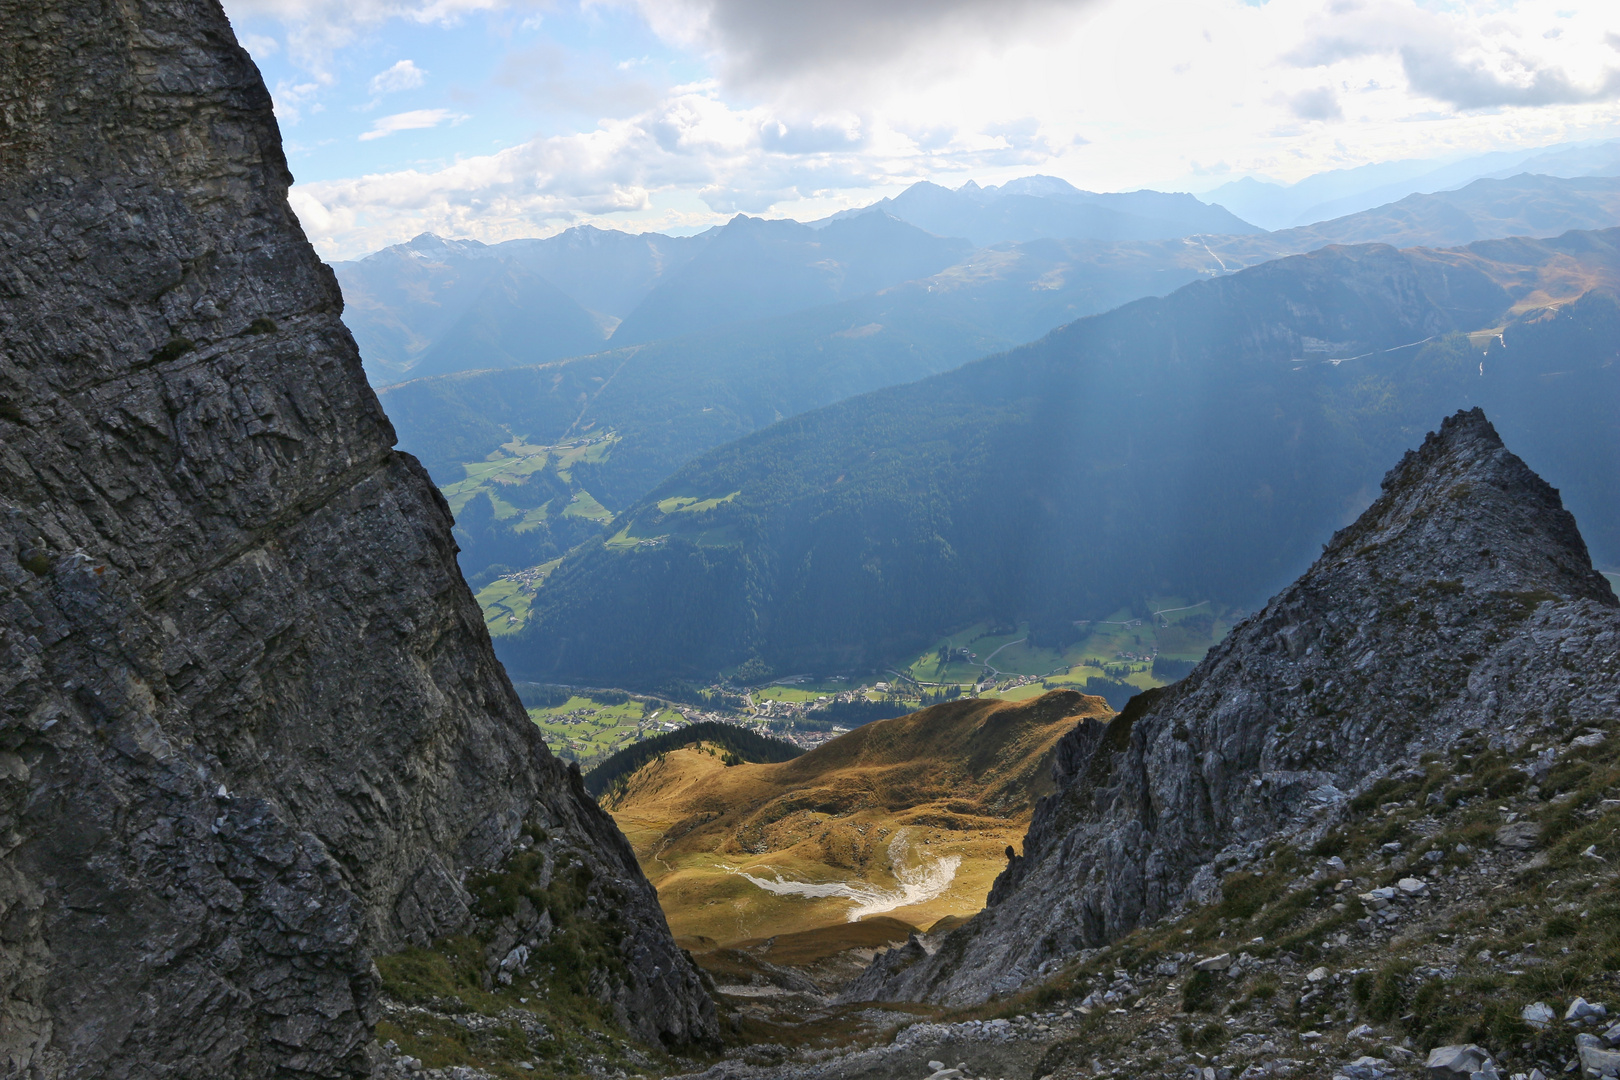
(584, 505)
(570, 1022)
(589, 730)
(692, 504)
(505, 601)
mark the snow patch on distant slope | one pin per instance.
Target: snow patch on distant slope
(920, 875)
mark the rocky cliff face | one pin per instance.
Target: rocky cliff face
(251, 729)
(1463, 599)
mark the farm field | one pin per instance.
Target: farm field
(586, 730)
(1121, 647)
(806, 688)
(517, 460)
(505, 601)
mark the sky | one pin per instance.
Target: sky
(494, 119)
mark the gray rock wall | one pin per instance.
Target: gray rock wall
(251, 728)
(1464, 598)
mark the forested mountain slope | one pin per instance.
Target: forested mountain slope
(1202, 444)
(657, 406)
(488, 435)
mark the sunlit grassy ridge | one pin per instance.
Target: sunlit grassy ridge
(884, 805)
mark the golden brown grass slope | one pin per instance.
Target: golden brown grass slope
(909, 818)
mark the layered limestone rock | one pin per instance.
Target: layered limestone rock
(1463, 599)
(252, 732)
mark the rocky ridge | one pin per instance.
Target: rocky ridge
(1463, 600)
(1447, 910)
(252, 733)
(1464, 923)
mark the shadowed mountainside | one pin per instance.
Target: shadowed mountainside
(252, 734)
(1200, 444)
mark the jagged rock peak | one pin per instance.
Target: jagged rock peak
(252, 731)
(1462, 600)
(1462, 507)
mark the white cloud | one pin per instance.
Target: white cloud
(723, 159)
(837, 52)
(404, 75)
(414, 120)
(292, 100)
(1468, 56)
(1320, 103)
(316, 29)
(260, 44)
(805, 119)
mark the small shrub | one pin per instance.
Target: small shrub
(1244, 894)
(1562, 926)
(1383, 996)
(1200, 993)
(1209, 1037)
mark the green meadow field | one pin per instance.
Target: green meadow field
(586, 730)
(1120, 647)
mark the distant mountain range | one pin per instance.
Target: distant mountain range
(1522, 205)
(1045, 207)
(654, 406)
(432, 306)
(1202, 445)
(1339, 192)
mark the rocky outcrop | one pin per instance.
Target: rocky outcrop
(252, 732)
(1462, 599)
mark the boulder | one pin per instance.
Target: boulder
(1518, 836)
(1456, 1061)
(1538, 1015)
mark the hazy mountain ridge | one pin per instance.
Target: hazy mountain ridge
(432, 307)
(670, 400)
(1340, 192)
(1523, 205)
(435, 306)
(1045, 207)
(1199, 444)
(752, 268)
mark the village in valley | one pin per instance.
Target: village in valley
(1113, 658)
